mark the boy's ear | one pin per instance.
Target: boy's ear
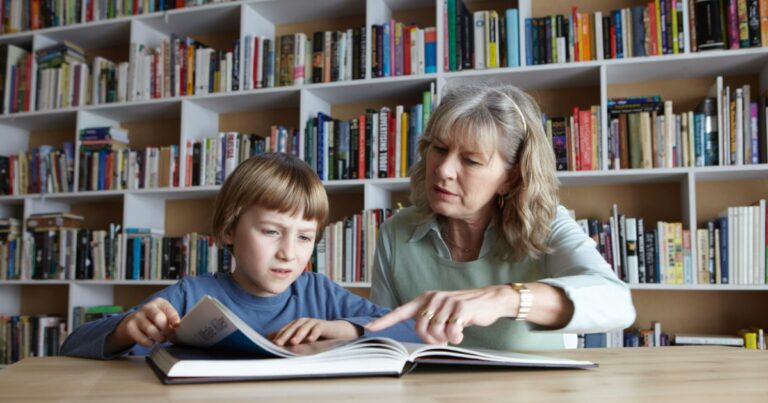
(228, 238)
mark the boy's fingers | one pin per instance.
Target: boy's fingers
(170, 313)
(398, 315)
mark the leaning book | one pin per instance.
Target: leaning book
(212, 344)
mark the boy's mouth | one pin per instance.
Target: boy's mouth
(281, 272)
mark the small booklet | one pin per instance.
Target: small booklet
(212, 344)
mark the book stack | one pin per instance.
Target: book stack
(49, 248)
(10, 248)
(400, 49)
(85, 314)
(23, 336)
(576, 140)
(17, 66)
(62, 76)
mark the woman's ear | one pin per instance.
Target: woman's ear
(512, 179)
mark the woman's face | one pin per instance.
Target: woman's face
(463, 183)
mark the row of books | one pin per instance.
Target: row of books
(210, 160)
(345, 252)
(43, 169)
(643, 30)
(751, 338)
(728, 24)
(27, 15)
(643, 253)
(23, 336)
(733, 248)
(401, 49)
(152, 256)
(576, 140)
(481, 39)
(377, 144)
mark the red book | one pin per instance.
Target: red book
(575, 139)
(361, 147)
(653, 28)
(255, 69)
(28, 82)
(575, 28)
(391, 145)
(613, 41)
(407, 50)
(585, 139)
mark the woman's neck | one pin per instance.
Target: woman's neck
(464, 237)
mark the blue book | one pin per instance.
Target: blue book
(528, 41)
(385, 42)
(722, 224)
(513, 38)
(430, 53)
(619, 38)
(595, 340)
(136, 269)
(638, 31)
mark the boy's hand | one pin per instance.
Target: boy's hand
(307, 330)
(154, 322)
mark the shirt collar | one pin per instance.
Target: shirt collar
(430, 224)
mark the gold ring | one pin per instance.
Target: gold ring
(456, 321)
(437, 321)
(428, 314)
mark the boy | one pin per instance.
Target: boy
(268, 213)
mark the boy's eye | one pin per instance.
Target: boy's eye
(305, 238)
(270, 232)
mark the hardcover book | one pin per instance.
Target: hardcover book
(212, 344)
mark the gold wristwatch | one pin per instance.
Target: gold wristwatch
(526, 300)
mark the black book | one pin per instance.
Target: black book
(317, 57)
(354, 141)
(196, 150)
(650, 256)
(709, 24)
(361, 72)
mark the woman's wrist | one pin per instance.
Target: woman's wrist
(507, 300)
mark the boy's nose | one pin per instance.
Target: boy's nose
(286, 250)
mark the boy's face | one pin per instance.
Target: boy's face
(271, 249)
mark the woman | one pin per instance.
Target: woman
(485, 228)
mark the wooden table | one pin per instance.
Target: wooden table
(649, 375)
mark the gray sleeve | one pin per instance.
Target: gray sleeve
(602, 302)
(383, 291)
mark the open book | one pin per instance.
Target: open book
(212, 344)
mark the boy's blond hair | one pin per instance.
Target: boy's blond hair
(274, 181)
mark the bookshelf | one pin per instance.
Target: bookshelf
(689, 195)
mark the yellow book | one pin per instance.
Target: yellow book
(404, 145)
(493, 39)
(675, 45)
(658, 27)
(190, 70)
(679, 269)
(596, 160)
(750, 339)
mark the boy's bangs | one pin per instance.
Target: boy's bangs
(292, 194)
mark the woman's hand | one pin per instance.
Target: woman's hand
(307, 330)
(156, 321)
(441, 316)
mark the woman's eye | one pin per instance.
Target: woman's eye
(439, 149)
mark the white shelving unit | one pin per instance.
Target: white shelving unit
(194, 117)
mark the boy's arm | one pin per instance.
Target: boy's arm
(359, 311)
(89, 339)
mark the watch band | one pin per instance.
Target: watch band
(526, 300)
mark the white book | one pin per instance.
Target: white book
(761, 242)
(205, 359)
(299, 49)
(598, 37)
(631, 240)
(420, 54)
(481, 36)
(708, 339)
(398, 138)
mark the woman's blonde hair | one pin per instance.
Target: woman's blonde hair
(274, 181)
(496, 116)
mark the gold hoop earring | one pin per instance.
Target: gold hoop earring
(500, 201)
